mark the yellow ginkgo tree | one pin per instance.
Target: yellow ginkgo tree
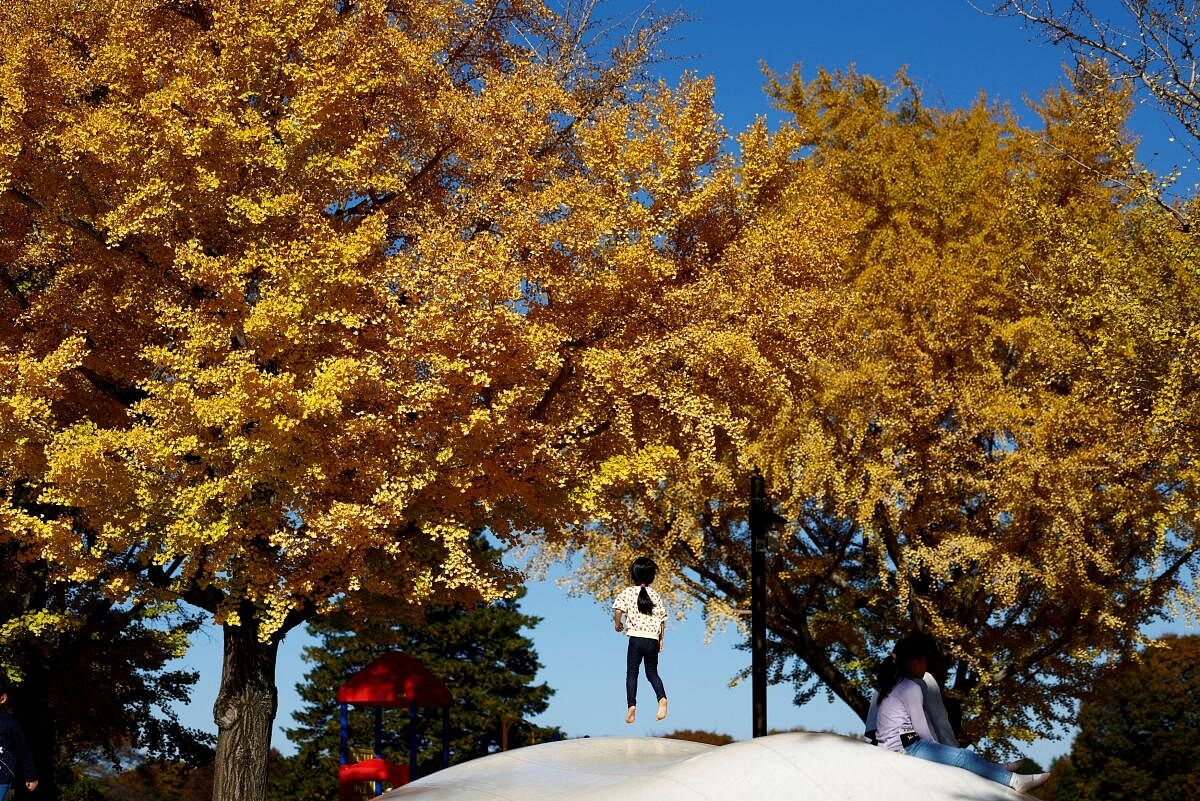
(966, 356)
(298, 295)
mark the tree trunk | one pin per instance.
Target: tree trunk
(244, 714)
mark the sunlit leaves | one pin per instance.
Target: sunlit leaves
(302, 294)
(963, 354)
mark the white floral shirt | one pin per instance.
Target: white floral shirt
(636, 623)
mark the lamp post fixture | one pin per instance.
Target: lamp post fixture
(762, 518)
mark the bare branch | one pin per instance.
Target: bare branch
(1158, 51)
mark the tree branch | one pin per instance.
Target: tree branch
(123, 392)
(371, 203)
(81, 225)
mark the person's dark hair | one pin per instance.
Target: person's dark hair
(642, 571)
(937, 662)
(889, 672)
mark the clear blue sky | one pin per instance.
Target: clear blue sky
(953, 52)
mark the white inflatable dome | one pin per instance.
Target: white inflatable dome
(781, 767)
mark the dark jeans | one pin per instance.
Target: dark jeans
(642, 648)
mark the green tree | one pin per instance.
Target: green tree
(480, 653)
(92, 678)
(1135, 731)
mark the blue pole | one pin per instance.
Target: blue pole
(345, 718)
(378, 744)
(412, 741)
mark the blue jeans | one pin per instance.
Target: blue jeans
(4, 791)
(959, 758)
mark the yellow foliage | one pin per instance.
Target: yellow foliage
(298, 295)
(964, 355)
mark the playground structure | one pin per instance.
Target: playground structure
(778, 767)
(392, 681)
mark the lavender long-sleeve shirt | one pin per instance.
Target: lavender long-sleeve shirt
(935, 713)
(902, 710)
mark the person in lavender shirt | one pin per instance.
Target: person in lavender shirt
(902, 724)
(935, 706)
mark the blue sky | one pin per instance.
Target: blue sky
(953, 52)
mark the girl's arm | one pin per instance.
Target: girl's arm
(913, 696)
(619, 604)
(661, 611)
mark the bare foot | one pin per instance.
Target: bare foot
(662, 709)
(631, 713)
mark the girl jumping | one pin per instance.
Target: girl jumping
(647, 622)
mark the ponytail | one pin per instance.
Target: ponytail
(645, 604)
(887, 676)
(642, 571)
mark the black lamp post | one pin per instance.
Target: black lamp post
(761, 518)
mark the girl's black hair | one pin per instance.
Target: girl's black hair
(642, 571)
(889, 672)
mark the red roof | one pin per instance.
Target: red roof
(394, 680)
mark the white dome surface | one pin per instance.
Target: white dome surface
(781, 767)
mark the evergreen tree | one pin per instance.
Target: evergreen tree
(92, 679)
(1135, 736)
(480, 653)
